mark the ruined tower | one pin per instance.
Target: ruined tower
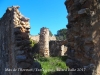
(44, 42)
(83, 36)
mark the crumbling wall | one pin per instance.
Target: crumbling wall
(83, 36)
(48, 47)
(57, 48)
(37, 37)
(52, 38)
(6, 43)
(14, 43)
(44, 42)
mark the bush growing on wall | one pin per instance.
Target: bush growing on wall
(32, 43)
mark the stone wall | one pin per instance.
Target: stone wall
(44, 42)
(52, 38)
(83, 36)
(48, 47)
(57, 48)
(36, 37)
(15, 51)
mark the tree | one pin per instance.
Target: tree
(50, 33)
(61, 34)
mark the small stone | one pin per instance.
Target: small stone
(83, 11)
(22, 22)
(18, 26)
(16, 18)
(27, 27)
(9, 9)
(92, 13)
(20, 57)
(24, 19)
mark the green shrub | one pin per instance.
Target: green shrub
(32, 43)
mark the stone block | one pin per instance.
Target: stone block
(83, 11)
(22, 22)
(24, 19)
(20, 57)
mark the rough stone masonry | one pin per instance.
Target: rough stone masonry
(48, 47)
(83, 36)
(15, 51)
(44, 42)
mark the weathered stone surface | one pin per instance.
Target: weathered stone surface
(44, 42)
(14, 44)
(83, 35)
(57, 48)
(37, 37)
(83, 11)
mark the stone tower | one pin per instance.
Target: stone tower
(83, 36)
(44, 42)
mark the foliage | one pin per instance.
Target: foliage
(51, 65)
(32, 43)
(61, 34)
(50, 33)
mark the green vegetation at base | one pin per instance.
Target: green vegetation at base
(53, 65)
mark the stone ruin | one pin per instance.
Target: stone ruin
(57, 48)
(83, 39)
(15, 50)
(37, 37)
(48, 47)
(44, 42)
(83, 36)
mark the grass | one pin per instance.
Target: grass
(53, 65)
